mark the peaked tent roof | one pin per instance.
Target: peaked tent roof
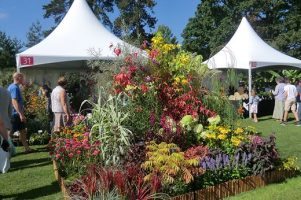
(247, 50)
(79, 32)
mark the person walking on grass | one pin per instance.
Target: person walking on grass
(279, 99)
(290, 102)
(59, 105)
(254, 101)
(18, 117)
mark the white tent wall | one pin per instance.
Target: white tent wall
(51, 72)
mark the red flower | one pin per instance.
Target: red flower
(117, 51)
(144, 88)
(122, 79)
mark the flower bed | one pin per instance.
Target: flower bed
(220, 191)
(160, 131)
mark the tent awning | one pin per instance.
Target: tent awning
(79, 33)
(247, 50)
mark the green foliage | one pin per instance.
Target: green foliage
(35, 110)
(9, 47)
(6, 76)
(134, 17)
(290, 163)
(167, 34)
(34, 35)
(108, 119)
(39, 138)
(277, 22)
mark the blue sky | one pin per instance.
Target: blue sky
(16, 16)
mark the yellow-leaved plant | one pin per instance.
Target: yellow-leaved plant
(169, 162)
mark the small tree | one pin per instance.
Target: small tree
(8, 48)
(34, 35)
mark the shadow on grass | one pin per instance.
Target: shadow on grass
(35, 193)
(30, 166)
(16, 165)
(36, 150)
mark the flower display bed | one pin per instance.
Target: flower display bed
(159, 132)
(220, 191)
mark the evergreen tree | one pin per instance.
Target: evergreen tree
(167, 34)
(9, 47)
(34, 35)
(215, 22)
(135, 16)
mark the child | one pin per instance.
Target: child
(253, 102)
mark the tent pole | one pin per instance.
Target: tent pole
(250, 88)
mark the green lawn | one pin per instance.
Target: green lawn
(288, 143)
(30, 177)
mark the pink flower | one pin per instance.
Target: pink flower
(95, 152)
(70, 155)
(78, 152)
(57, 156)
(117, 51)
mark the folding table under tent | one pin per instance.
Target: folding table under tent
(69, 46)
(246, 50)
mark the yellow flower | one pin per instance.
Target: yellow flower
(211, 136)
(184, 81)
(221, 136)
(224, 130)
(130, 87)
(235, 141)
(239, 131)
(177, 79)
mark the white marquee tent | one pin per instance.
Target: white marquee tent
(69, 46)
(246, 50)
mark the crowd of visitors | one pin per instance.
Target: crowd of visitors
(287, 98)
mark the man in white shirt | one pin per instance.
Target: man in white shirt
(290, 102)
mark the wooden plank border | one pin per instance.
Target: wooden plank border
(234, 187)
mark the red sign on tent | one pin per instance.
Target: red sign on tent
(26, 60)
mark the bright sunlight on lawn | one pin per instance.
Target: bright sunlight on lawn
(31, 177)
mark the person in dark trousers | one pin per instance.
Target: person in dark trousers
(18, 117)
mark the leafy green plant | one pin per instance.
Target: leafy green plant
(108, 119)
(290, 163)
(39, 138)
(264, 153)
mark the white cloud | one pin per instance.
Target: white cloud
(3, 15)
